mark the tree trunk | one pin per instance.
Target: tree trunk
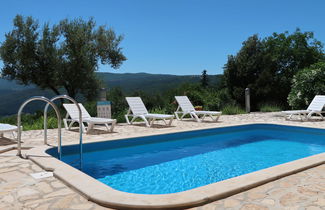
(57, 92)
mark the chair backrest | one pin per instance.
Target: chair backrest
(317, 104)
(73, 111)
(136, 105)
(185, 103)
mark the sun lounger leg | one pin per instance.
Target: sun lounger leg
(145, 120)
(127, 119)
(70, 125)
(152, 121)
(133, 119)
(196, 117)
(65, 124)
(184, 116)
(170, 121)
(176, 115)
(113, 126)
(90, 127)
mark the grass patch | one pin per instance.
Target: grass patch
(270, 108)
(232, 110)
(31, 121)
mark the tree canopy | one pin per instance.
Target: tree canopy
(63, 56)
(267, 66)
(306, 84)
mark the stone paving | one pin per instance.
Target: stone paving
(18, 190)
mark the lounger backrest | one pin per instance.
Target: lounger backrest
(184, 103)
(317, 104)
(136, 105)
(73, 111)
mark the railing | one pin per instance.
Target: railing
(80, 125)
(57, 111)
(36, 98)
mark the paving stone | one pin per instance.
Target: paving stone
(62, 192)
(230, 203)
(268, 202)
(44, 187)
(313, 208)
(27, 194)
(253, 207)
(307, 191)
(63, 203)
(320, 202)
(7, 199)
(57, 184)
(291, 199)
(81, 206)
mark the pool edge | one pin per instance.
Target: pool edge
(108, 197)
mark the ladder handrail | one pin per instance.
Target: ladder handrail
(80, 124)
(36, 98)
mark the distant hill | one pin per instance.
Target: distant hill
(150, 83)
(13, 94)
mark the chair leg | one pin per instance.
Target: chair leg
(133, 119)
(176, 115)
(65, 124)
(13, 135)
(113, 126)
(196, 117)
(127, 119)
(170, 121)
(70, 125)
(145, 120)
(90, 127)
(152, 121)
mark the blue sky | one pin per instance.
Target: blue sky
(177, 36)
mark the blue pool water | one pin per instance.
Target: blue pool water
(177, 162)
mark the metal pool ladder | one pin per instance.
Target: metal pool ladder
(58, 115)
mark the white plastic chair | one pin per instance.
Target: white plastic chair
(315, 107)
(7, 128)
(137, 109)
(73, 116)
(185, 107)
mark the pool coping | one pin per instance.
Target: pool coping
(106, 196)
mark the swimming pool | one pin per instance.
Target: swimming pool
(182, 161)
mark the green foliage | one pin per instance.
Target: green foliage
(64, 56)
(306, 84)
(232, 110)
(270, 107)
(32, 121)
(267, 66)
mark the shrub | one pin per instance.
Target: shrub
(306, 84)
(32, 121)
(232, 109)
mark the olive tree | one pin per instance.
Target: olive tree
(61, 57)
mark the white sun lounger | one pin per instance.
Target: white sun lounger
(315, 107)
(6, 128)
(73, 116)
(138, 110)
(185, 107)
